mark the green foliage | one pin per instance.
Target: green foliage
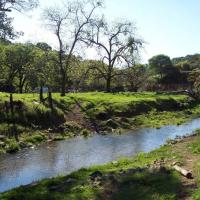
(196, 194)
(36, 138)
(194, 78)
(195, 146)
(160, 64)
(12, 146)
(192, 61)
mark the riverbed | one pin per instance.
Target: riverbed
(62, 157)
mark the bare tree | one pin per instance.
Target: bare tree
(6, 29)
(116, 44)
(19, 5)
(69, 23)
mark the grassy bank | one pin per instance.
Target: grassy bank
(82, 113)
(146, 176)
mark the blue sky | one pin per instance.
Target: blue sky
(169, 27)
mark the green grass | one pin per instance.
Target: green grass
(96, 105)
(109, 111)
(12, 146)
(196, 194)
(194, 147)
(99, 97)
(35, 139)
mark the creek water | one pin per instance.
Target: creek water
(62, 157)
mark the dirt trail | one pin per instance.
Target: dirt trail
(189, 162)
(76, 115)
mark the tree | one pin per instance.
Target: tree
(117, 44)
(160, 64)
(194, 79)
(44, 46)
(135, 76)
(16, 60)
(6, 28)
(19, 5)
(68, 24)
(43, 70)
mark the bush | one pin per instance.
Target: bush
(12, 147)
(85, 132)
(35, 139)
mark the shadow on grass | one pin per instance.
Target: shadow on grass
(144, 185)
(138, 184)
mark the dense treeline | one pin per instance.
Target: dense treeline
(33, 67)
(28, 67)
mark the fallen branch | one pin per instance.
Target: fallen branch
(183, 172)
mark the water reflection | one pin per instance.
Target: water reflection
(66, 156)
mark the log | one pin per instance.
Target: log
(183, 172)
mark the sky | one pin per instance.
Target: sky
(168, 27)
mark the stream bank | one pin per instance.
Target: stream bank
(139, 177)
(82, 114)
(63, 157)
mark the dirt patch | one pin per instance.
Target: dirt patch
(76, 115)
(189, 160)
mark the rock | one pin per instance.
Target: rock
(70, 180)
(110, 177)
(134, 170)
(29, 145)
(30, 185)
(122, 172)
(188, 112)
(113, 180)
(97, 183)
(163, 170)
(22, 144)
(50, 130)
(2, 144)
(54, 187)
(2, 137)
(114, 162)
(36, 103)
(109, 192)
(111, 123)
(95, 175)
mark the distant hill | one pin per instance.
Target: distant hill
(192, 60)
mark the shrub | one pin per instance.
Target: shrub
(35, 139)
(12, 147)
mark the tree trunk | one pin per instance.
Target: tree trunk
(41, 94)
(11, 105)
(184, 172)
(21, 84)
(13, 129)
(108, 85)
(63, 84)
(108, 81)
(21, 90)
(50, 100)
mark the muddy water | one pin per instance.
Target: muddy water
(63, 157)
